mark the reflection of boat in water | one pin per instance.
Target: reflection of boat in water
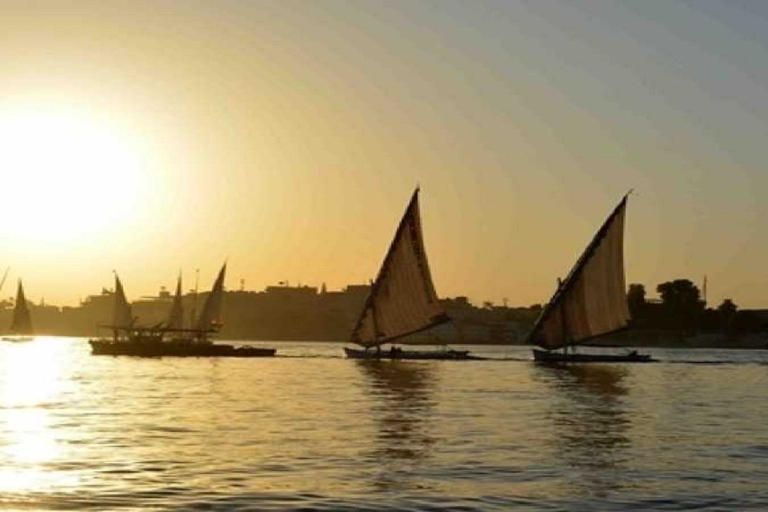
(590, 302)
(402, 300)
(401, 397)
(21, 324)
(444, 354)
(605, 381)
(558, 357)
(591, 437)
(170, 339)
(406, 384)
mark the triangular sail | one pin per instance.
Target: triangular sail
(22, 322)
(592, 300)
(210, 317)
(176, 315)
(121, 309)
(402, 300)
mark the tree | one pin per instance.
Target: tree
(682, 302)
(727, 308)
(636, 300)
(727, 312)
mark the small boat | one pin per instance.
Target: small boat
(591, 302)
(21, 324)
(131, 340)
(149, 342)
(558, 357)
(402, 300)
(424, 355)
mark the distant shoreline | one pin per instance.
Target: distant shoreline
(648, 339)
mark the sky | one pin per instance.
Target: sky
(157, 137)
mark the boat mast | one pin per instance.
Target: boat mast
(194, 300)
(5, 276)
(563, 320)
(375, 327)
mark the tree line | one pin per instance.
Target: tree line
(681, 308)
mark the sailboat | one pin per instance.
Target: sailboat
(122, 314)
(21, 325)
(402, 300)
(121, 324)
(209, 321)
(590, 302)
(176, 314)
(132, 340)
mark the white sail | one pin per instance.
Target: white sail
(176, 315)
(121, 310)
(402, 300)
(22, 322)
(592, 300)
(210, 317)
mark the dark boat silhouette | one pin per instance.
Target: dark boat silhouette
(170, 339)
(21, 324)
(402, 300)
(590, 302)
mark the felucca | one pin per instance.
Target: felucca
(402, 300)
(21, 324)
(590, 302)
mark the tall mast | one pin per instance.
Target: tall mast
(194, 299)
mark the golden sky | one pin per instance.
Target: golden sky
(287, 136)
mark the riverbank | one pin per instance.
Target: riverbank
(672, 339)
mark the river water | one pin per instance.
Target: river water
(309, 430)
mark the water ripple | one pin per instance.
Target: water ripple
(314, 431)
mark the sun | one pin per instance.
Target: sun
(65, 176)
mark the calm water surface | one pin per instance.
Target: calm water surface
(313, 431)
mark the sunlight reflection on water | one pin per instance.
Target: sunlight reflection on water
(34, 380)
(328, 433)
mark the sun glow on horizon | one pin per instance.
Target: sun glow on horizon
(67, 176)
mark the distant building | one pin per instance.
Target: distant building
(281, 312)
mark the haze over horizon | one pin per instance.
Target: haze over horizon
(287, 137)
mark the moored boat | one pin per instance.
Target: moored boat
(171, 339)
(154, 345)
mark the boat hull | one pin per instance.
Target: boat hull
(412, 355)
(18, 339)
(173, 349)
(544, 356)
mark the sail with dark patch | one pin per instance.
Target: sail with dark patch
(591, 301)
(210, 317)
(122, 316)
(402, 299)
(176, 315)
(22, 321)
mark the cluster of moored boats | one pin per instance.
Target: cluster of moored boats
(170, 338)
(590, 302)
